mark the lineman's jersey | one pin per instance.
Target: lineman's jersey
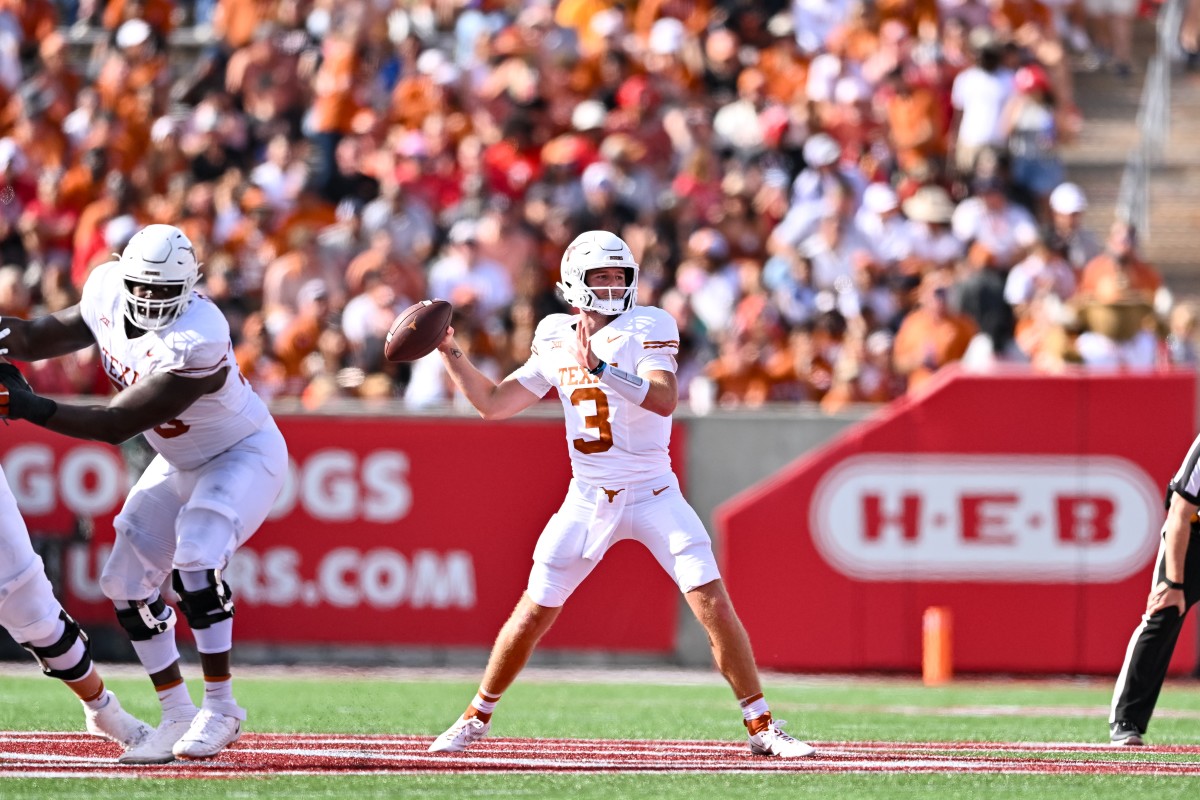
(610, 440)
(195, 345)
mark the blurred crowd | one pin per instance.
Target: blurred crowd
(834, 198)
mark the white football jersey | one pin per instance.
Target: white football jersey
(195, 345)
(610, 439)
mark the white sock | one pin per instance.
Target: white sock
(482, 704)
(218, 692)
(176, 699)
(754, 707)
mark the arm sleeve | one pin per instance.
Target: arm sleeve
(530, 373)
(659, 344)
(202, 359)
(200, 352)
(90, 298)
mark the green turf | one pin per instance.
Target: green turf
(823, 710)
(603, 787)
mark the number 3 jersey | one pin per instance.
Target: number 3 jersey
(610, 439)
(195, 346)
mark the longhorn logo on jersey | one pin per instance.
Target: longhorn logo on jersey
(612, 493)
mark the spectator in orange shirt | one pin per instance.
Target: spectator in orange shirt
(694, 14)
(782, 62)
(805, 369)
(235, 21)
(81, 183)
(863, 373)
(335, 100)
(90, 245)
(299, 339)
(577, 15)
(310, 213)
(257, 360)
(740, 377)
(916, 121)
(1116, 295)
(931, 335)
(1118, 274)
(136, 61)
(157, 13)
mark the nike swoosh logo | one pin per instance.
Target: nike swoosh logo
(612, 339)
(657, 492)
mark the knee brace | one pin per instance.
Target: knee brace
(204, 607)
(144, 620)
(70, 635)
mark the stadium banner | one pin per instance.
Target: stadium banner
(1028, 505)
(396, 531)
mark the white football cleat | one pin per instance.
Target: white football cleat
(772, 741)
(210, 733)
(113, 722)
(460, 735)
(156, 749)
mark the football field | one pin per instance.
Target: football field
(617, 733)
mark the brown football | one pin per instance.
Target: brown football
(418, 330)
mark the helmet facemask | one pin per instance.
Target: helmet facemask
(158, 256)
(598, 250)
(154, 314)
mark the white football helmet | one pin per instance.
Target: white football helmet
(592, 250)
(160, 256)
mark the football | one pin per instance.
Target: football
(418, 330)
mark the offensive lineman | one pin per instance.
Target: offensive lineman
(32, 615)
(613, 365)
(221, 463)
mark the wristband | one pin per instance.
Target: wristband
(1172, 584)
(633, 388)
(599, 368)
(29, 406)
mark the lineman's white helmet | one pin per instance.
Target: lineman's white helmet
(592, 250)
(159, 255)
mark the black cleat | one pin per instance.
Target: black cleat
(1126, 734)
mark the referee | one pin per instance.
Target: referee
(1176, 589)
